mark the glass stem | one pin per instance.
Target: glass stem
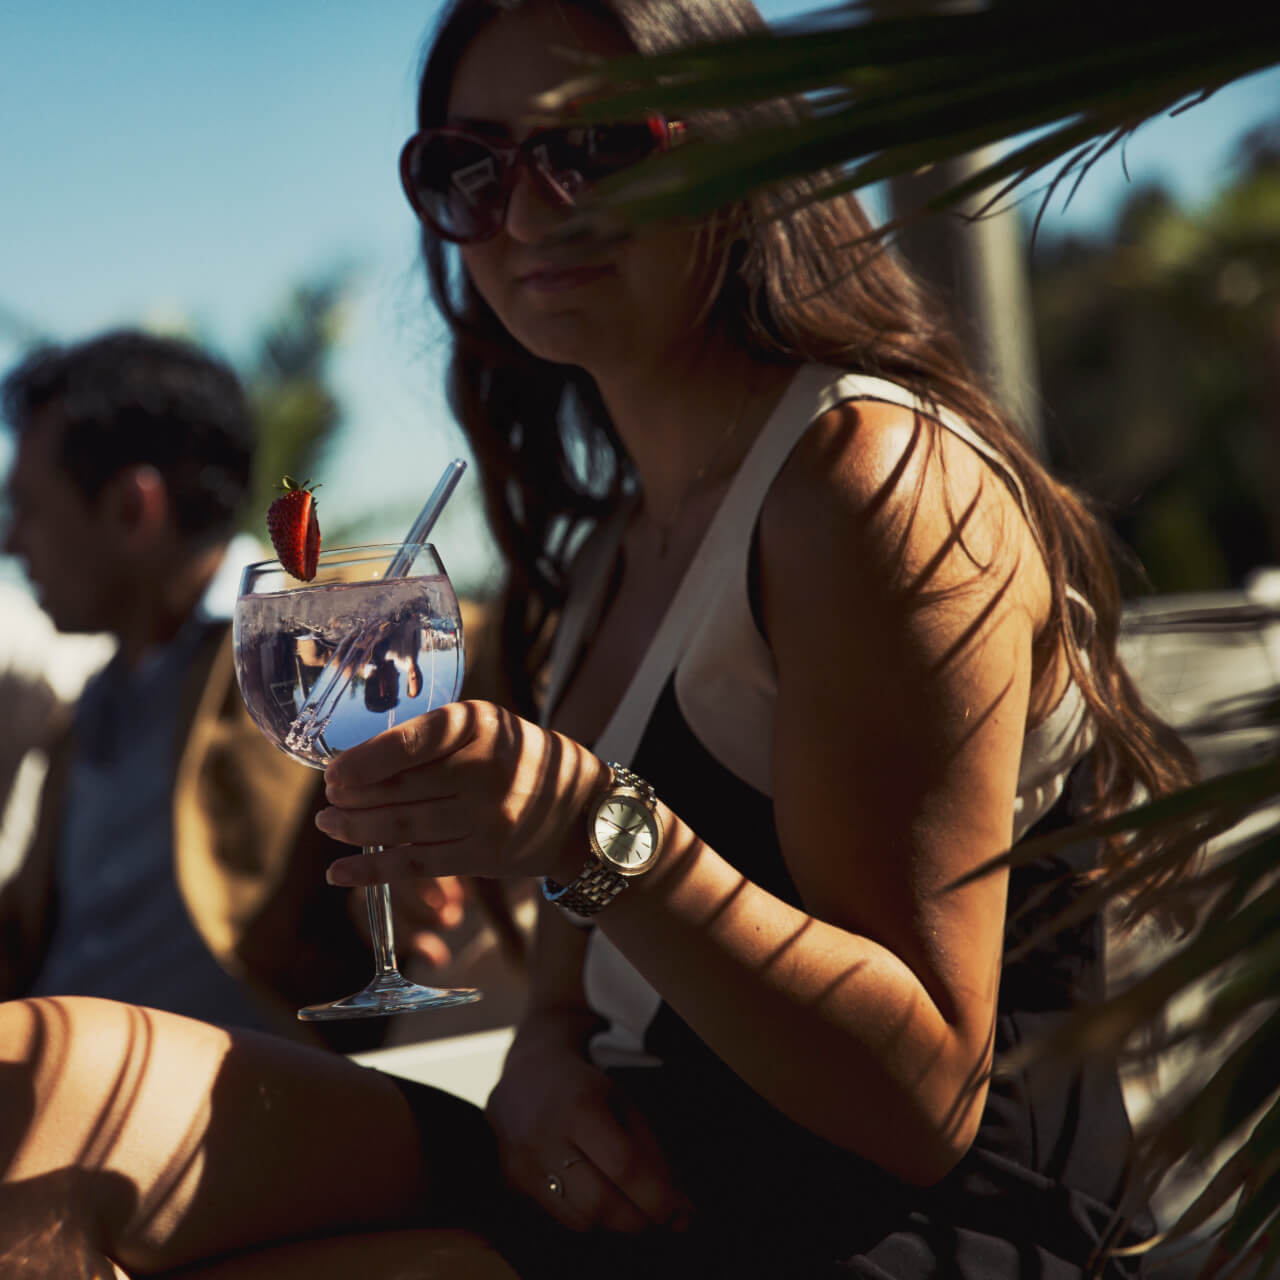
(379, 902)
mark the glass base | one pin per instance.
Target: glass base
(388, 994)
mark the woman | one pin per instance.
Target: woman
(843, 639)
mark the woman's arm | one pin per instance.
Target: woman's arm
(558, 1116)
(903, 673)
(901, 593)
(556, 1008)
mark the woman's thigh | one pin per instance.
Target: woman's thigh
(156, 1140)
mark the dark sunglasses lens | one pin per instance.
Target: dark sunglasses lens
(593, 152)
(459, 185)
(456, 183)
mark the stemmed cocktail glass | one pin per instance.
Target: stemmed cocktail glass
(372, 640)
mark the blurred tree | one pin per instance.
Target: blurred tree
(286, 378)
(1157, 355)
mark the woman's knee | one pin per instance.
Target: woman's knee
(95, 1085)
(100, 1119)
(161, 1140)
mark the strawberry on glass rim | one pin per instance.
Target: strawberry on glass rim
(294, 529)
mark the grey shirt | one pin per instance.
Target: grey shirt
(121, 929)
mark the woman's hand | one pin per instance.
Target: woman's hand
(571, 1141)
(467, 789)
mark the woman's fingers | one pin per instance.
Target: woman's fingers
(626, 1196)
(570, 1142)
(581, 1196)
(401, 862)
(425, 822)
(464, 745)
(449, 837)
(614, 1175)
(629, 1158)
(422, 740)
(467, 789)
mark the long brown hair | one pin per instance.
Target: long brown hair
(810, 285)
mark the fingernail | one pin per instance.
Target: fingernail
(339, 874)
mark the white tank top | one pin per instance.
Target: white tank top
(724, 678)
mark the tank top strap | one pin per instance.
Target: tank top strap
(851, 386)
(589, 583)
(724, 543)
(813, 391)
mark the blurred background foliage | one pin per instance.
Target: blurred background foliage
(1159, 362)
(286, 377)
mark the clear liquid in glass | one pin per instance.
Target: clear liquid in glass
(407, 659)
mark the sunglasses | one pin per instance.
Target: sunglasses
(460, 182)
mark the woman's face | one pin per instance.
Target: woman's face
(606, 303)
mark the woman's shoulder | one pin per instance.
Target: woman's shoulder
(893, 482)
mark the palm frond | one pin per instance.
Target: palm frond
(1216, 803)
(1203, 1012)
(886, 96)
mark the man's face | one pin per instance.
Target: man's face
(65, 543)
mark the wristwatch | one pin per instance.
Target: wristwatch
(625, 837)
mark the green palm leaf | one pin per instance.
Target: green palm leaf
(887, 95)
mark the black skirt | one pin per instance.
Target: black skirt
(1034, 1197)
(771, 1201)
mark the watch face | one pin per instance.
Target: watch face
(626, 833)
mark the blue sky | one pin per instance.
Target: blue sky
(173, 163)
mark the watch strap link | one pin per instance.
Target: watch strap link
(625, 778)
(597, 885)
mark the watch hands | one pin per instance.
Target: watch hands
(628, 831)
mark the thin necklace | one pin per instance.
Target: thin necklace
(667, 527)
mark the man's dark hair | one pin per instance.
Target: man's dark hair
(128, 398)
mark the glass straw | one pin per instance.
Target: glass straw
(316, 712)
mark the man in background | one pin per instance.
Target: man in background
(174, 862)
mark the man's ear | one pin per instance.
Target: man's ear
(136, 501)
